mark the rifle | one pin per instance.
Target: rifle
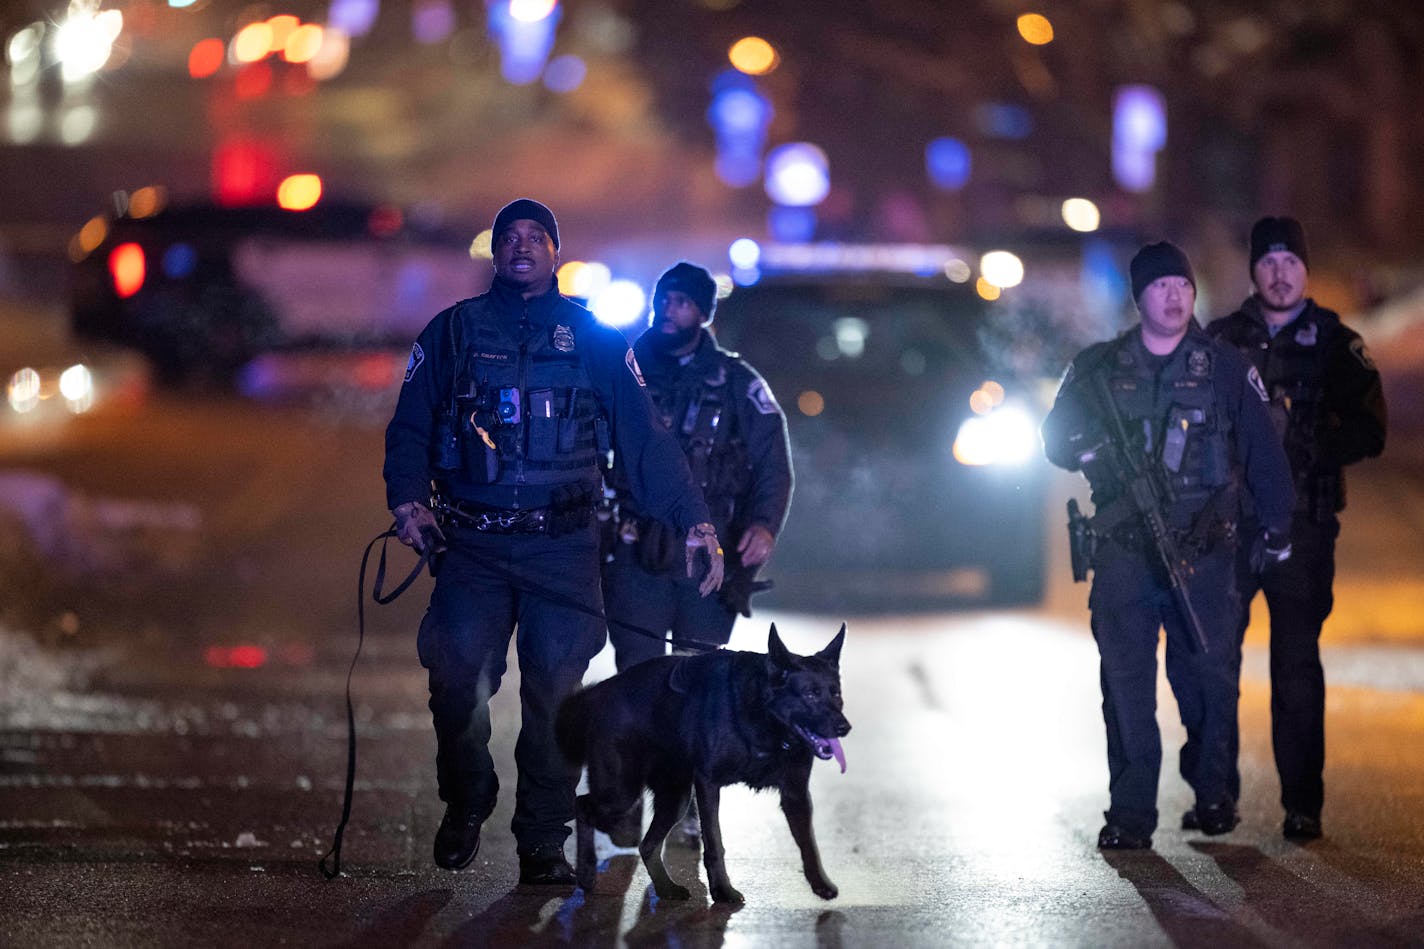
(1147, 493)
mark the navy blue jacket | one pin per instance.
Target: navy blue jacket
(745, 407)
(658, 475)
(1075, 421)
(1322, 381)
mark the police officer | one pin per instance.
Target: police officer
(1194, 414)
(508, 398)
(734, 436)
(1330, 406)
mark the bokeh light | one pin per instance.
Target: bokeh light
(1082, 215)
(582, 279)
(84, 41)
(179, 261)
(810, 403)
(621, 303)
(23, 391)
(282, 26)
(432, 21)
(565, 73)
(531, 11)
(303, 44)
(1035, 28)
(1002, 269)
(127, 268)
(206, 57)
(76, 385)
(948, 163)
(299, 192)
(147, 201)
(753, 56)
(92, 234)
(797, 175)
(353, 17)
(744, 253)
(987, 290)
(482, 247)
(330, 60)
(252, 43)
(957, 270)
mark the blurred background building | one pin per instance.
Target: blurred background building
(657, 124)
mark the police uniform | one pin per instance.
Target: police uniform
(1199, 415)
(734, 436)
(1329, 405)
(502, 410)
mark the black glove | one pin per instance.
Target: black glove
(738, 589)
(1270, 548)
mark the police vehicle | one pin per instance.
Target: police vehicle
(266, 298)
(919, 476)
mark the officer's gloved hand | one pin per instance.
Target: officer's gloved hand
(703, 537)
(738, 587)
(415, 525)
(1271, 548)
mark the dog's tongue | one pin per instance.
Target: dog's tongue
(836, 750)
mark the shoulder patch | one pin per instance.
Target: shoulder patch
(632, 362)
(1357, 349)
(1254, 377)
(417, 356)
(760, 394)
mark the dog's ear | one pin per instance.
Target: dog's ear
(777, 651)
(832, 652)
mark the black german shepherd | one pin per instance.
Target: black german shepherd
(681, 723)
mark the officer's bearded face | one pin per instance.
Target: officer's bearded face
(1166, 306)
(524, 256)
(676, 321)
(1280, 280)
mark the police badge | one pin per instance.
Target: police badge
(417, 356)
(632, 364)
(1199, 363)
(563, 338)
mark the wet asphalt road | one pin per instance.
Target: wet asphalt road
(151, 794)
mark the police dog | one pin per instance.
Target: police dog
(679, 724)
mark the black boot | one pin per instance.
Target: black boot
(1300, 826)
(1113, 837)
(1217, 819)
(546, 866)
(458, 839)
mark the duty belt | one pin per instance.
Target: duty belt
(532, 520)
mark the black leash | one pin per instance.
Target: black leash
(520, 583)
(334, 854)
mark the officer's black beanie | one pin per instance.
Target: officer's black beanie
(692, 280)
(1155, 261)
(526, 209)
(1278, 233)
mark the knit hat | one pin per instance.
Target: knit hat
(523, 209)
(1155, 261)
(692, 280)
(1278, 233)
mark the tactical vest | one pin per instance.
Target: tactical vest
(1292, 365)
(1173, 416)
(523, 403)
(701, 412)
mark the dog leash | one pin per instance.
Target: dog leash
(334, 854)
(520, 583)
